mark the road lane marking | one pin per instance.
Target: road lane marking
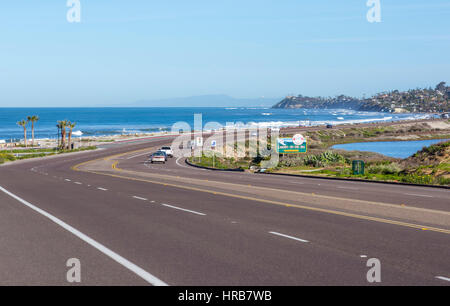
(103, 189)
(418, 195)
(67, 180)
(287, 236)
(131, 157)
(443, 278)
(78, 183)
(151, 279)
(139, 198)
(273, 202)
(187, 210)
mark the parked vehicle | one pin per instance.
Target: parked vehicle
(329, 126)
(158, 157)
(167, 150)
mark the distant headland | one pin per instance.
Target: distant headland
(427, 100)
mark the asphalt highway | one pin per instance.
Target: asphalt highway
(134, 223)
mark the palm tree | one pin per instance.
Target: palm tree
(33, 119)
(24, 124)
(70, 125)
(62, 125)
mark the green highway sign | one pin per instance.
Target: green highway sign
(296, 144)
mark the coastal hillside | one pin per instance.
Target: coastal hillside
(427, 100)
(438, 154)
(432, 161)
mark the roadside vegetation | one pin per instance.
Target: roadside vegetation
(8, 156)
(65, 143)
(219, 163)
(325, 138)
(431, 165)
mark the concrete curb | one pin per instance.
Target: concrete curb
(214, 169)
(357, 180)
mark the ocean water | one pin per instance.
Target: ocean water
(109, 121)
(397, 149)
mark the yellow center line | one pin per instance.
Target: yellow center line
(273, 202)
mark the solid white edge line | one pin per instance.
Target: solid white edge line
(443, 278)
(187, 210)
(114, 256)
(287, 236)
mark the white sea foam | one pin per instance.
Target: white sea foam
(281, 124)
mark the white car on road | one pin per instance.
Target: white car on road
(167, 150)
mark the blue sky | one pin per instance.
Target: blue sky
(124, 51)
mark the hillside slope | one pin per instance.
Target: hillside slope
(426, 100)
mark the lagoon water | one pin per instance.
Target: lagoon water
(109, 121)
(397, 149)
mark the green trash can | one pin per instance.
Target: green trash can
(358, 167)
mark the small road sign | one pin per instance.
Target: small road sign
(199, 141)
(296, 144)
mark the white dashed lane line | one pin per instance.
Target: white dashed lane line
(78, 183)
(287, 236)
(443, 278)
(139, 198)
(102, 189)
(186, 210)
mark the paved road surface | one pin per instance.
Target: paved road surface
(172, 224)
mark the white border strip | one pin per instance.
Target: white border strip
(114, 256)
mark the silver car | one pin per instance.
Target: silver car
(158, 157)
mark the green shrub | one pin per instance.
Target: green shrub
(418, 179)
(444, 181)
(382, 168)
(7, 157)
(323, 159)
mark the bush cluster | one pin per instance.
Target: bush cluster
(392, 168)
(317, 160)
